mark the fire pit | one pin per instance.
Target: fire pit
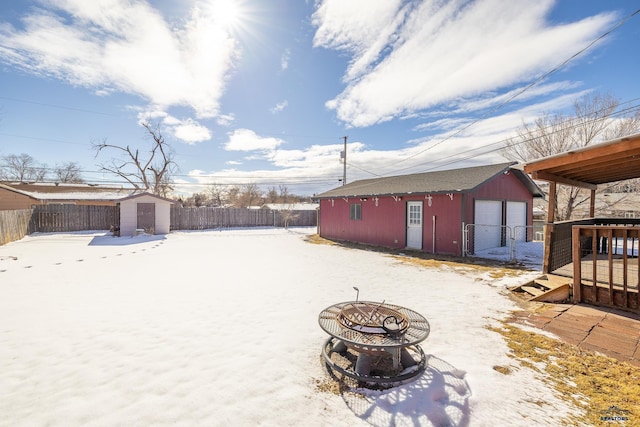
(374, 342)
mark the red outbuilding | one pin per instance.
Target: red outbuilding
(449, 212)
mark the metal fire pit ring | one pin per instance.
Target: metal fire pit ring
(365, 336)
(372, 318)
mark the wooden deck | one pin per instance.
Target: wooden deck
(609, 287)
(602, 272)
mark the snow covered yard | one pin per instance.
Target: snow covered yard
(220, 328)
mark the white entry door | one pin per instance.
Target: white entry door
(488, 224)
(517, 220)
(414, 225)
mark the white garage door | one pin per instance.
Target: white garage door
(517, 220)
(488, 225)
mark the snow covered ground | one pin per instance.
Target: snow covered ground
(219, 328)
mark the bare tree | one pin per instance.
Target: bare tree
(249, 195)
(217, 194)
(68, 172)
(196, 200)
(594, 121)
(284, 194)
(233, 196)
(22, 168)
(272, 195)
(151, 173)
(288, 215)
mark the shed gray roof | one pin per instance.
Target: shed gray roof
(136, 195)
(447, 181)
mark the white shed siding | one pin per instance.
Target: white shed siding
(163, 216)
(129, 214)
(128, 217)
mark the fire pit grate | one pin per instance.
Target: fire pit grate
(373, 319)
(382, 338)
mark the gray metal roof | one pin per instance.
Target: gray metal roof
(447, 181)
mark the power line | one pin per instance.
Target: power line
(42, 139)
(503, 141)
(523, 90)
(62, 107)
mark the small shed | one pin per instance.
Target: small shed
(145, 212)
(452, 212)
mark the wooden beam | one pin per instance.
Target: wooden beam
(551, 210)
(546, 176)
(592, 204)
(624, 146)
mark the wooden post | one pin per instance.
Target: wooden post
(548, 229)
(577, 267)
(625, 270)
(610, 262)
(594, 261)
(592, 204)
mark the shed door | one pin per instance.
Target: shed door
(414, 225)
(488, 225)
(517, 220)
(146, 216)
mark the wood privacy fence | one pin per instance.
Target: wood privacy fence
(16, 224)
(61, 218)
(205, 218)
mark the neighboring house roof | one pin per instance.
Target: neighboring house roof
(292, 206)
(68, 192)
(447, 181)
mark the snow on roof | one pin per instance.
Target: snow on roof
(64, 191)
(79, 195)
(292, 206)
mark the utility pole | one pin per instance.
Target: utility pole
(344, 162)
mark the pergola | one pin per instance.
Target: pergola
(588, 167)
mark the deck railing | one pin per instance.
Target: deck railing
(606, 266)
(559, 252)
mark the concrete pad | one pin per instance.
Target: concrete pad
(617, 322)
(636, 355)
(604, 351)
(574, 337)
(618, 343)
(606, 331)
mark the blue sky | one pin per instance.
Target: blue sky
(250, 91)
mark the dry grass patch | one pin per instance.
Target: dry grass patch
(316, 239)
(494, 268)
(599, 385)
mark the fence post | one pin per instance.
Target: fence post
(464, 239)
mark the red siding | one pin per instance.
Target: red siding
(445, 212)
(381, 225)
(384, 222)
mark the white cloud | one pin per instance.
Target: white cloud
(191, 132)
(129, 47)
(279, 107)
(284, 60)
(187, 130)
(248, 140)
(482, 144)
(225, 119)
(362, 27)
(408, 60)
